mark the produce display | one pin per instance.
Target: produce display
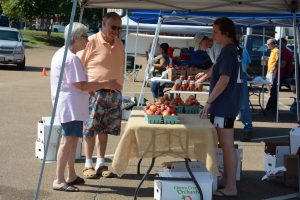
(161, 112)
(187, 85)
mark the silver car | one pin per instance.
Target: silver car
(12, 50)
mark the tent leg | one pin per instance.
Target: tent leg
(36, 196)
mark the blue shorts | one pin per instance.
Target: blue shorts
(73, 128)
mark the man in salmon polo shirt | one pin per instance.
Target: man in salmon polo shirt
(104, 59)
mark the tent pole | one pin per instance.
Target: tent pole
(136, 43)
(126, 49)
(149, 63)
(36, 196)
(278, 73)
(81, 14)
(263, 65)
(296, 62)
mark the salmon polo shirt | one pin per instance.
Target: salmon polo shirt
(103, 61)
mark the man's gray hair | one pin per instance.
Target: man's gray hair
(77, 31)
(271, 40)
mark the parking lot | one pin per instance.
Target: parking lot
(25, 98)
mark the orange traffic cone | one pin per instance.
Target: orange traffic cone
(44, 73)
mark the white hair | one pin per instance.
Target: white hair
(78, 30)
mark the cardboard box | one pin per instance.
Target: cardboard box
(43, 128)
(239, 155)
(174, 74)
(195, 166)
(277, 160)
(291, 176)
(173, 190)
(274, 154)
(52, 150)
(295, 140)
(270, 147)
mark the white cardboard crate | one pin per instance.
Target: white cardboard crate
(277, 160)
(43, 128)
(239, 154)
(52, 150)
(177, 190)
(295, 139)
(195, 166)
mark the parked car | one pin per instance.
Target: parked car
(4, 21)
(255, 46)
(58, 28)
(12, 49)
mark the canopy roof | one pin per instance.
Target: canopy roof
(207, 18)
(232, 6)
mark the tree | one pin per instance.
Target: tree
(46, 10)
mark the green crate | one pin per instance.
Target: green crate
(192, 109)
(179, 109)
(153, 119)
(170, 119)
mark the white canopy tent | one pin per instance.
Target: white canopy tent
(232, 6)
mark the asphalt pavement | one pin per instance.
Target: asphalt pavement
(25, 98)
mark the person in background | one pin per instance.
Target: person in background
(213, 50)
(245, 112)
(285, 75)
(224, 99)
(159, 65)
(272, 61)
(199, 58)
(103, 58)
(72, 106)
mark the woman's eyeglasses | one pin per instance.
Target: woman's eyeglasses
(115, 28)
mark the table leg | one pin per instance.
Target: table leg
(259, 100)
(143, 179)
(193, 177)
(139, 166)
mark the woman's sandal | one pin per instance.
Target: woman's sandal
(77, 181)
(67, 188)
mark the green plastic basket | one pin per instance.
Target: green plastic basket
(192, 109)
(153, 119)
(170, 119)
(179, 109)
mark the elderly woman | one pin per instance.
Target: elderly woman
(72, 107)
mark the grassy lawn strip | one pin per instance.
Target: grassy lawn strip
(39, 38)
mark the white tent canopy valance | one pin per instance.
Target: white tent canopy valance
(237, 6)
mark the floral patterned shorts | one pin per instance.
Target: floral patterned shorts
(105, 113)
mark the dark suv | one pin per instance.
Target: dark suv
(255, 46)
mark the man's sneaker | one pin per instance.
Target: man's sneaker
(247, 136)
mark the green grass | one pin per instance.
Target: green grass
(39, 38)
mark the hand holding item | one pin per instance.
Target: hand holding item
(204, 112)
(199, 75)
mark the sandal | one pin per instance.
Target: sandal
(101, 169)
(89, 173)
(67, 188)
(108, 174)
(77, 181)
